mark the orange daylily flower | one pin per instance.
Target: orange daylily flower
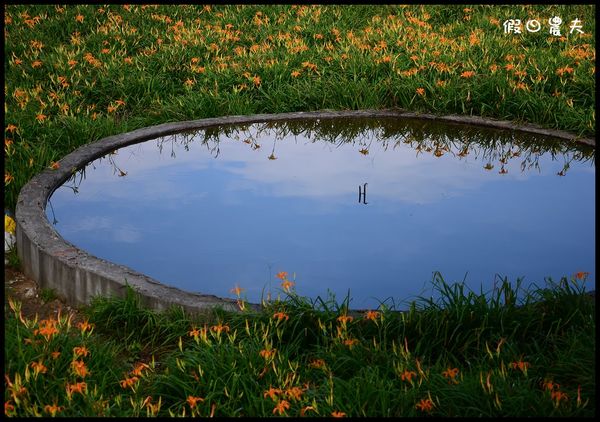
(345, 318)
(451, 374)
(294, 393)
(41, 117)
(47, 328)
(282, 275)
(54, 165)
(139, 368)
(372, 315)
(559, 396)
(38, 367)
(338, 414)
(581, 275)
(196, 333)
(287, 285)
(191, 400)
(80, 387)
(407, 375)
(81, 351)
(281, 315)
(520, 365)
(8, 178)
(309, 65)
(53, 409)
(267, 353)
(129, 382)
(351, 342)
(272, 393)
(237, 290)
(281, 407)
(317, 363)
(467, 74)
(79, 18)
(425, 405)
(305, 409)
(421, 91)
(79, 368)
(85, 326)
(11, 128)
(219, 328)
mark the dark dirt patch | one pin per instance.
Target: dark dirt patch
(19, 287)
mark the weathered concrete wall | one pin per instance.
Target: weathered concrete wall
(79, 276)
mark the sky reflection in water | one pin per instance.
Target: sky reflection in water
(206, 211)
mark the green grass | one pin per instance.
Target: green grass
(508, 353)
(48, 295)
(75, 74)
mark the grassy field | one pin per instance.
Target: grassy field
(462, 355)
(75, 74)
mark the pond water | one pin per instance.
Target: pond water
(369, 208)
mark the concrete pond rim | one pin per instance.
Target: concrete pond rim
(78, 276)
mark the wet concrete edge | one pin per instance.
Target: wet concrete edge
(78, 276)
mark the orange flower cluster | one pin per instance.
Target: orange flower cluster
(47, 328)
(555, 394)
(286, 284)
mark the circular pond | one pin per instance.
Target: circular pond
(369, 208)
